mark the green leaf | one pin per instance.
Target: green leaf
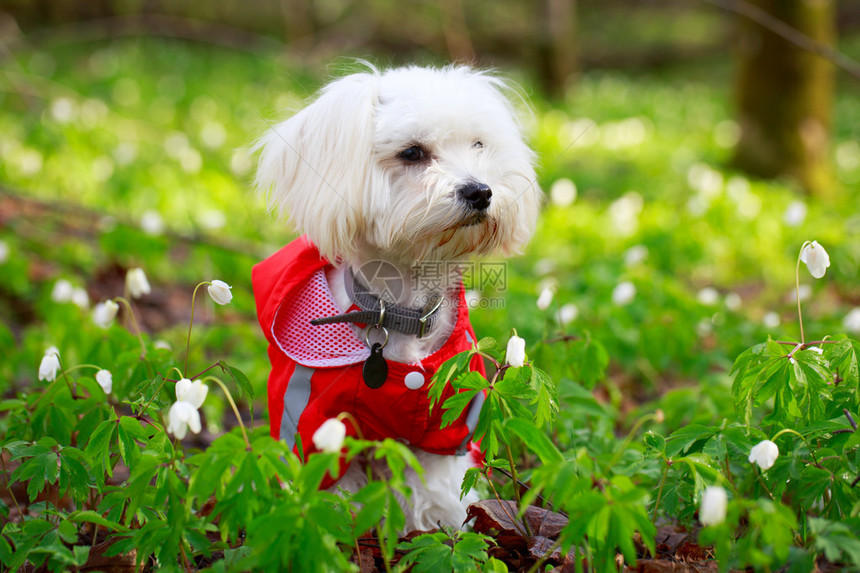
(90, 516)
(547, 397)
(680, 440)
(455, 405)
(588, 361)
(536, 440)
(239, 378)
(98, 447)
(68, 532)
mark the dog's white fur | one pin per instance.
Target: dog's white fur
(335, 169)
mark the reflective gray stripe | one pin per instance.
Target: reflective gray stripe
(469, 338)
(472, 420)
(295, 401)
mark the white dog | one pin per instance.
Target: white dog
(393, 177)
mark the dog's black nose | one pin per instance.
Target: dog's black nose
(476, 195)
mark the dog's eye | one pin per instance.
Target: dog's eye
(478, 145)
(413, 154)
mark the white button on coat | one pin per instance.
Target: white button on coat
(414, 380)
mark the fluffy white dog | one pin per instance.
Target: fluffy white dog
(394, 177)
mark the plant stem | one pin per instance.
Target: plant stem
(799, 435)
(190, 324)
(629, 437)
(233, 405)
(163, 380)
(547, 554)
(797, 290)
(660, 492)
(9, 487)
(504, 507)
(123, 300)
(764, 485)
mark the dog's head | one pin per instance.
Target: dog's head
(415, 163)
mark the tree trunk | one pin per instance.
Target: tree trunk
(556, 45)
(784, 96)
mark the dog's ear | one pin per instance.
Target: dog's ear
(315, 166)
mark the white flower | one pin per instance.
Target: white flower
(516, 351)
(771, 320)
(50, 365)
(563, 192)
(162, 345)
(104, 313)
(191, 392)
(803, 292)
(635, 255)
(329, 436)
(712, 511)
(544, 266)
(4, 252)
(473, 299)
(220, 292)
(545, 299)
(764, 454)
(733, 301)
(62, 291)
(80, 298)
(851, 322)
(623, 293)
(816, 259)
(152, 223)
(795, 213)
(568, 313)
(105, 380)
(182, 417)
(136, 283)
(708, 296)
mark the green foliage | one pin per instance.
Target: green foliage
(654, 209)
(449, 551)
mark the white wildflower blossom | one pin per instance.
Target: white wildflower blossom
(515, 355)
(183, 416)
(330, 435)
(816, 258)
(191, 392)
(712, 510)
(220, 292)
(764, 454)
(105, 380)
(136, 282)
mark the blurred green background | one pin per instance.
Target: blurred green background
(124, 136)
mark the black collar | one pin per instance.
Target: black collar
(374, 311)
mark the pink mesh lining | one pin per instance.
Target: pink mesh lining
(325, 345)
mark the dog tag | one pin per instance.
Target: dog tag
(375, 369)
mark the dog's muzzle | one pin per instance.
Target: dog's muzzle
(476, 195)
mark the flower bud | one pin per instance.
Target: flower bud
(712, 511)
(764, 454)
(135, 281)
(816, 258)
(623, 293)
(104, 313)
(329, 436)
(62, 292)
(545, 299)
(50, 365)
(515, 355)
(105, 380)
(220, 292)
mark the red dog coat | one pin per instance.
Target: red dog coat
(316, 370)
